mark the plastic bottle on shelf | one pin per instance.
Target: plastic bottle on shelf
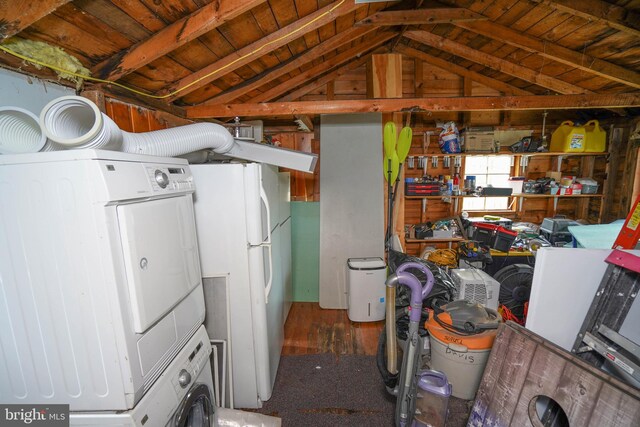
(456, 185)
(449, 184)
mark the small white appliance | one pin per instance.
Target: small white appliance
(475, 285)
(366, 289)
(100, 282)
(244, 236)
(182, 396)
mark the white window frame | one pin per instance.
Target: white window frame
(500, 203)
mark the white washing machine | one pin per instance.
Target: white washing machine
(181, 397)
(100, 282)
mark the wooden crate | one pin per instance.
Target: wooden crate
(523, 366)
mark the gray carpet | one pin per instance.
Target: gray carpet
(330, 390)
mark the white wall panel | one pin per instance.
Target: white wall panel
(18, 90)
(351, 199)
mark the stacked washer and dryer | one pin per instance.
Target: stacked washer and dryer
(101, 300)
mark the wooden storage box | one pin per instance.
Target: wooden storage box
(524, 368)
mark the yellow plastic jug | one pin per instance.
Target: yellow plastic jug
(568, 138)
(596, 137)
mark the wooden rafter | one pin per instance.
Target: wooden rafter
(15, 16)
(172, 37)
(323, 67)
(305, 120)
(555, 52)
(494, 62)
(261, 47)
(325, 79)
(270, 75)
(476, 103)
(421, 16)
(616, 17)
(461, 71)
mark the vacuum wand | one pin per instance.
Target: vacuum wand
(405, 390)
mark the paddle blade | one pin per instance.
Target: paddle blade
(395, 167)
(404, 143)
(389, 139)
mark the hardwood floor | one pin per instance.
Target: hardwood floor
(310, 330)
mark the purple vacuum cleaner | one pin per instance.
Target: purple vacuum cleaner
(422, 396)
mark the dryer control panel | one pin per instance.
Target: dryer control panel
(190, 368)
(131, 180)
(166, 178)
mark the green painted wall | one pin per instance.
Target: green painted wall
(305, 250)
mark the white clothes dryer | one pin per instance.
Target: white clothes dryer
(100, 283)
(182, 396)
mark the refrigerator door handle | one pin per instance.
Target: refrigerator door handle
(267, 243)
(265, 200)
(267, 289)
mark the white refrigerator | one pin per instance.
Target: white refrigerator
(244, 235)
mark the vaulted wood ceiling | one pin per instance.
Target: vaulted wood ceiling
(202, 58)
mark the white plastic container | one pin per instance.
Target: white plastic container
(457, 351)
(463, 366)
(366, 289)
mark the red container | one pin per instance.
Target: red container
(504, 239)
(484, 233)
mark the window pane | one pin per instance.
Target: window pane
(496, 203)
(481, 180)
(499, 164)
(475, 165)
(473, 203)
(498, 180)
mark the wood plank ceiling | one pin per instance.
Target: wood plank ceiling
(203, 58)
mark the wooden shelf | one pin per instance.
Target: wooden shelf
(576, 196)
(518, 195)
(452, 239)
(507, 153)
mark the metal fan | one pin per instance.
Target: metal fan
(515, 287)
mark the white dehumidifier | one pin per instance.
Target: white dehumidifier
(366, 289)
(475, 285)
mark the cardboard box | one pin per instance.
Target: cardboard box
(566, 191)
(477, 140)
(442, 234)
(556, 176)
(509, 137)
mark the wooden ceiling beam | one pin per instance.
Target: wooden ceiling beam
(555, 52)
(616, 17)
(259, 48)
(16, 15)
(172, 37)
(323, 67)
(421, 16)
(494, 62)
(506, 88)
(312, 54)
(417, 105)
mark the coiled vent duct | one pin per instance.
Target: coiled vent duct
(20, 131)
(76, 122)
